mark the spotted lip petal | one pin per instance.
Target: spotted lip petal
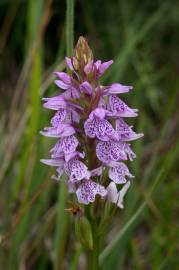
(125, 132)
(88, 190)
(69, 144)
(99, 127)
(76, 170)
(59, 117)
(110, 151)
(120, 109)
(65, 146)
(118, 174)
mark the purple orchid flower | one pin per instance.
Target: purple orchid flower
(92, 135)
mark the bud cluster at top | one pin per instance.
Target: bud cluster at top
(92, 136)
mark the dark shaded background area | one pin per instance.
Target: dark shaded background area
(142, 37)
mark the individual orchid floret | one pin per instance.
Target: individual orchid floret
(97, 126)
(119, 172)
(115, 196)
(59, 117)
(120, 109)
(68, 144)
(102, 67)
(55, 103)
(88, 190)
(125, 132)
(110, 151)
(76, 170)
(92, 138)
(117, 88)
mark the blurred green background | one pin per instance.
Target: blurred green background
(143, 39)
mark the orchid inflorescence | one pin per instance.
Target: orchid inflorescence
(93, 139)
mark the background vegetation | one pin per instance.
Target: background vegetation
(142, 37)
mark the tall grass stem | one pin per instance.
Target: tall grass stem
(70, 27)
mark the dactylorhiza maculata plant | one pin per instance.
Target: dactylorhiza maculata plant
(92, 136)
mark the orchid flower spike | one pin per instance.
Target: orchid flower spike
(93, 138)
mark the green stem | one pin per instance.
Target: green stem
(62, 225)
(70, 27)
(93, 255)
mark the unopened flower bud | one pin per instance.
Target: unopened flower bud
(84, 232)
(82, 54)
